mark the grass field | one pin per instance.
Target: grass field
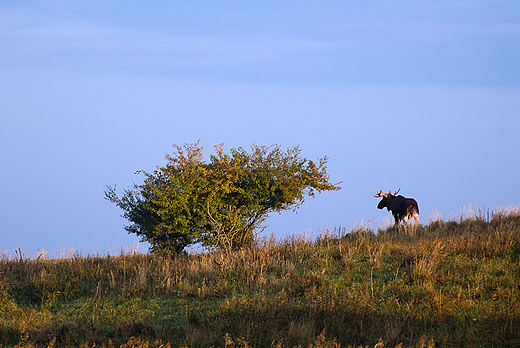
(445, 284)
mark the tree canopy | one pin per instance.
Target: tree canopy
(221, 203)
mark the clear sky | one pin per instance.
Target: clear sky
(421, 95)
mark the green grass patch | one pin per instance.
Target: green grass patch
(446, 284)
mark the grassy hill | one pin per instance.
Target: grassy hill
(446, 284)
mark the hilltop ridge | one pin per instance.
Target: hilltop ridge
(445, 284)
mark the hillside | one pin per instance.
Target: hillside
(446, 284)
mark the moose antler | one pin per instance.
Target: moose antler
(380, 193)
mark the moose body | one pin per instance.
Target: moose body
(402, 208)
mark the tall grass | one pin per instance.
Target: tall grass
(445, 284)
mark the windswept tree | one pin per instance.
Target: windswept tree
(222, 203)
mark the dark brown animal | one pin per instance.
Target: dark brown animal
(402, 208)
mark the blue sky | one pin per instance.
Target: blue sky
(422, 95)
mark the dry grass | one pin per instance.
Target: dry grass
(446, 284)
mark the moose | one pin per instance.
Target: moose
(402, 208)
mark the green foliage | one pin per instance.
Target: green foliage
(221, 203)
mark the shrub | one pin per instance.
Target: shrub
(221, 203)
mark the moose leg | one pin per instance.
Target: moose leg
(397, 219)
